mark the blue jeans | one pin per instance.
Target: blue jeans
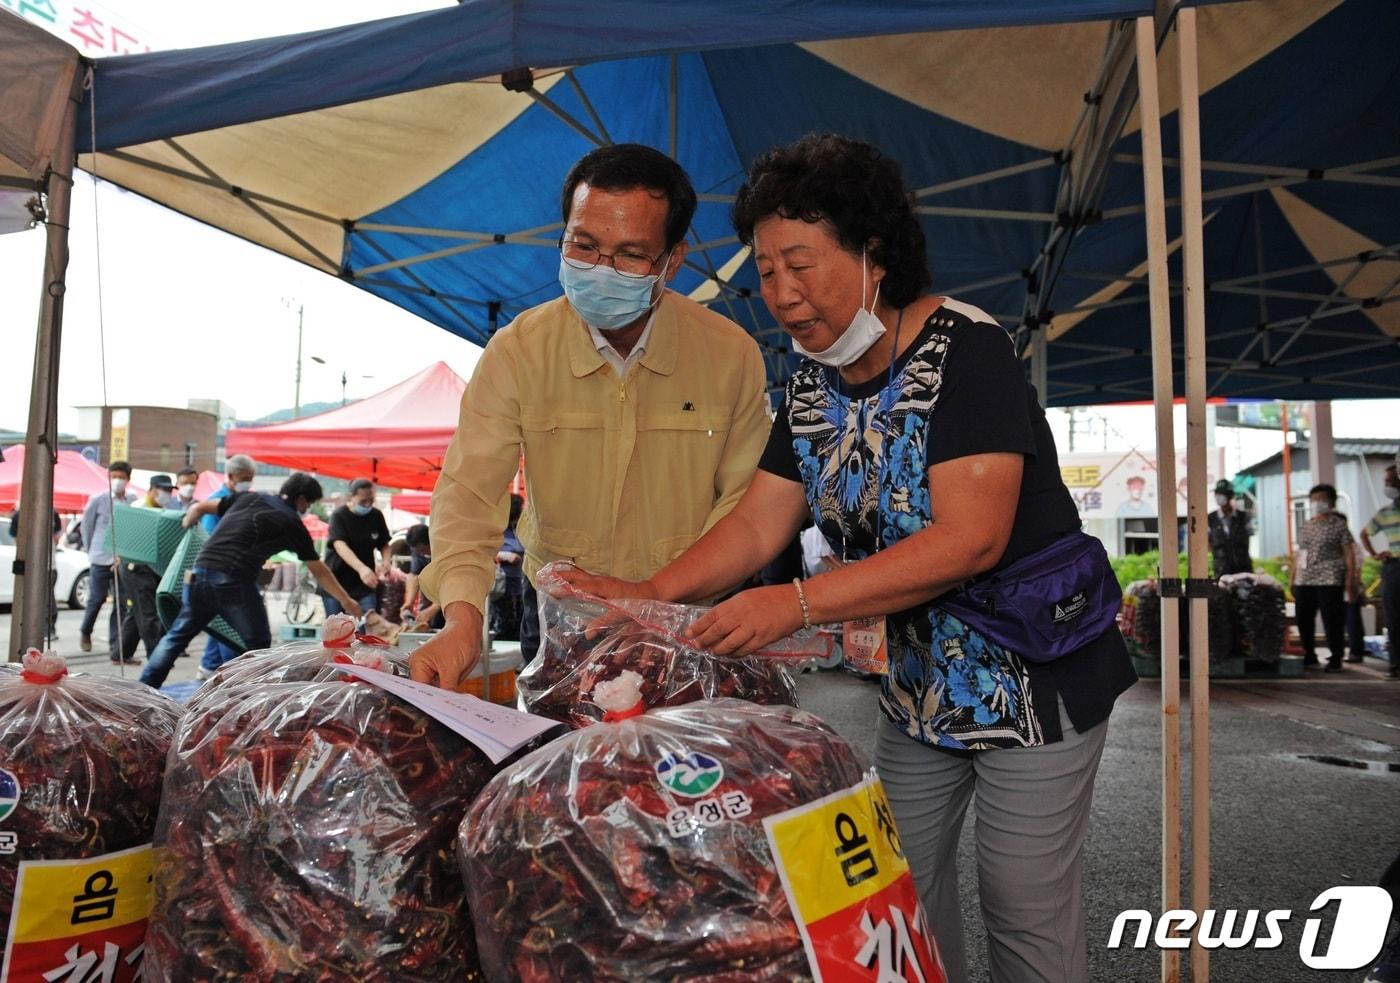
(216, 653)
(209, 594)
(368, 601)
(100, 579)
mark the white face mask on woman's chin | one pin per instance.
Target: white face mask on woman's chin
(859, 337)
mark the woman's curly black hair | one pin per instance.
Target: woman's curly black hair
(852, 186)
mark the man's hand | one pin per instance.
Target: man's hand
(369, 578)
(608, 588)
(447, 658)
(188, 519)
(749, 621)
(352, 607)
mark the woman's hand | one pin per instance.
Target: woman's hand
(608, 588)
(749, 621)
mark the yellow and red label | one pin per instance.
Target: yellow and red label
(75, 921)
(851, 890)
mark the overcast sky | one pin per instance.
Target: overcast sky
(190, 312)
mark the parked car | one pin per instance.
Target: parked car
(70, 588)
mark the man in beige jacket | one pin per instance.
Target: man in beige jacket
(641, 414)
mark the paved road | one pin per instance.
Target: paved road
(1284, 828)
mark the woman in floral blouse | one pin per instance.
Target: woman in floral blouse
(1324, 573)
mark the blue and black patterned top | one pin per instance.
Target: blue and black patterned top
(862, 454)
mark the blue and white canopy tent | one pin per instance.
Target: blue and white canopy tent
(418, 157)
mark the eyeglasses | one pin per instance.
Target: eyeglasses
(585, 256)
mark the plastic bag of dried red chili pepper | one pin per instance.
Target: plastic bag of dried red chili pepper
(305, 662)
(720, 841)
(81, 759)
(308, 834)
(585, 638)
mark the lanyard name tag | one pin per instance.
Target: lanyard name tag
(863, 647)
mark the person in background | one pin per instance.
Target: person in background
(417, 609)
(1386, 522)
(185, 481)
(1324, 572)
(642, 412)
(357, 530)
(507, 609)
(137, 582)
(1229, 533)
(911, 435)
(224, 581)
(239, 472)
(97, 524)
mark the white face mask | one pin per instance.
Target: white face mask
(1391, 492)
(242, 486)
(162, 497)
(119, 486)
(1319, 508)
(1222, 500)
(865, 329)
(187, 491)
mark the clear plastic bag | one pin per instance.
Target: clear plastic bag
(82, 759)
(304, 662)
(307, 834)
(637, 850)
(585, 639)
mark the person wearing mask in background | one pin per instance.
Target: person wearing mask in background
(97, 524)
(239, 472)
(417, 609)
(185, 481)
(642, 413)
(357, 530)
(137, 582)
(1229, 533)
(1324, 572)
(224, 581)
(1386, 522)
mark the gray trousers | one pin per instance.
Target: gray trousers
(1032, 812)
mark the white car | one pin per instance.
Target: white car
(71, 588)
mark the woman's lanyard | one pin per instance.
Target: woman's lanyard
(861, 430)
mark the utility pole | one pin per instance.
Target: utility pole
(296, 412)
(342, 387)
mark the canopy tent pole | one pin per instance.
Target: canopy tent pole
(29, 620)
(1154, 195)
(1194, 311)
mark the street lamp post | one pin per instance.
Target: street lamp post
(344, 378)
(301, 311)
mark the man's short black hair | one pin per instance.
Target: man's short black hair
(186, 473)
(517, 505)
(123, 466)
(416, 536)
(1327, 491)
(359, 485)
(302, 485)
(624, 166)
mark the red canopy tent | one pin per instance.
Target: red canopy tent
(75, 480)
(417, 502)
(397, 437)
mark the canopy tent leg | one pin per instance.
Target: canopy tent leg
(1194, 310)
(29, 620)
(1159, 300)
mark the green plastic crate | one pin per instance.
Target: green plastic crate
(170, 593)
(148, 536)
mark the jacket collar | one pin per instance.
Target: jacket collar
(661, 350)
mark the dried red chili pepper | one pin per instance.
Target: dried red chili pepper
(87, 754)
(308, 834)
(580, 867)
(586, 639)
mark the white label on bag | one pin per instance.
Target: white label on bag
(496, 730)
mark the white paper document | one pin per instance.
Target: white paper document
(496, 730)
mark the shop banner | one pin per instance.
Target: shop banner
(80, 921)
(851, 890)
(1124, 485)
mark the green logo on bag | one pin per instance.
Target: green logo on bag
(690, 774)
(9, 792)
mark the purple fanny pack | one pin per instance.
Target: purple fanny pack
(1045, 605)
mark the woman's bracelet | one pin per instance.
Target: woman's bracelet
(802, 600)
